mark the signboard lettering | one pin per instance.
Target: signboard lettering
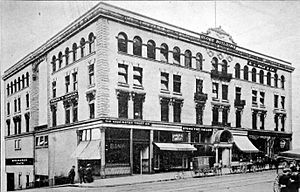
(19, 161)
(127, 122)
(64, 97)
(184, 128)
(177, 137)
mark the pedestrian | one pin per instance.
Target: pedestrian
(295, 180)
(81, 174)
(284, 180)
(72, 175)
(89, 175)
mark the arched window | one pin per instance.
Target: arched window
(246, 72)
(27, 79)
(176, 55)
(15, 85)
(276, 80)
(59, 59)
(122, 42)
(261, 76)
(137, 46)
(23, 81)
(7, 89)
(282, 81)
(188, 58)
(269, 78)
(53, 63)
(224, 67)
(74, 49)
(91, 42)
(151, 49)
(237, 69)
(253, 74)
(164, 50)
(199, 60)
(11, 87)
(19, 83)
(67, 52)
(214, 63)
(82, 47)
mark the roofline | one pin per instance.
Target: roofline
(86, 19)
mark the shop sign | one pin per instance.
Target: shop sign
(127, 122)
(64, 97)
(177, 137)
(19, 161)
(184, 128)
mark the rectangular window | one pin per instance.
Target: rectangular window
(46, 141)
(27, 100)
(224, 92)
(199, 115)
(19, 104)
(67, 82)
(215, 114)
(18, 144)
(282, 102)
(165, 110)
(262, 98)
(75, 83)
(16, 107)
(19, 126)
(41, 141)
(283, 123)
(276, 97)
(177, 111)
(215, 90)
(137, 76)
(262, 120)
(54, 110)
(92, 110)
(67, 114)
(16, 127)
(276, 117)
(8, 127)
(164, 81)
(254, 120)
(138, 109)
(123, 105)
(91, 75)
(177, 83)
(238, 118)
(54, 89)
(199, 86)
(238, 93)
(123, 74)
(8, 108)
(27, 122)
(224, 117)
(75, 111)
(254, 97)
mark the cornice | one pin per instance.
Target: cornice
(105, 10)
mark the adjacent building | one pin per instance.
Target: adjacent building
(129, 94)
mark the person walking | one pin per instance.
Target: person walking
(295, 179)
(81, 174)
(89, 176)
(284, 180)
(72, 175)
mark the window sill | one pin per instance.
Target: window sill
(215, 99)
(165, 91)
(138, 87)
(225, 100)
(262, 106)
(123, 84)
(41, 147)
(91, 85)
(177, 93)
(17, 149)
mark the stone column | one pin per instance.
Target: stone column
(217, 155)
(150, 151)
(131, 151)
(189, 137)
(102, 153)
(171, 111)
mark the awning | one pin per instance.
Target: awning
(244, 144)
(175, 147)
(87, 150)
(291, 154)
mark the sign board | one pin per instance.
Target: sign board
(64, 97)
(127, 122)
(19, 161)
(177, 137)
(199, 129)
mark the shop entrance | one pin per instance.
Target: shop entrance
(10, 181)
(140, 158)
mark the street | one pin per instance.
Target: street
(260, 182)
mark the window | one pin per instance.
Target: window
(53, 89)
(215, 90)
(199, 115)
(283, 123)
(67, 52)
(254, 75)
(282, 102)
(237, 71)
(75, 83)
(60, 60)
(19, 84)
(23, 81)
(151, 49)
(123, 104)
(164, 109)
(276, 97)
(122, 42)
(137, 46)
(27, 117)
(188, 58)
(19, 104)
(11, 88)
(282, 81)
(269, 78)
(276, 80)
(262, 120)
(8, 127)
(18, 146)
(224, 117)
(74, 49)
(8, 108)
(15, 85)
(67, 83)
(177, 111)
(16, 126)
(7, 89)
(27, 79)
(91, 75)
(261, 76)
(19, 125)
(82, 47)
(215, 113)
(164, 81)
(53, 64)
(276, 119)
(238, 117)
(53, 111)
(16, 107)
(27, 100)
(137, 76)
(92, 110)
(75, 111)
(91, 103)
(123, 74)
(41, 141)
(238, 93)
(176, 55)
(214, 64)
(199, 86)
(199, 60)
(254, 120)
(164, 50)
(224, 67)
(224, 92)
(91, 42)
(177, 83)
(138, 106)
(67, 113)
(254, 97)
(262, 99)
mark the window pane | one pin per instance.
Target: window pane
(96, 134)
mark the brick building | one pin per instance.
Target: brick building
(130, 94)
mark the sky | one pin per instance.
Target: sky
(268, 27)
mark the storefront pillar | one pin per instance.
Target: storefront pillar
(217, 154)
(189, 137)
(230, 155)
(151, 151)
(131, 151)
(226, 156)
(171, 112)
(102, 153)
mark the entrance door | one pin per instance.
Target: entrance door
(10, 181)
(137, 148)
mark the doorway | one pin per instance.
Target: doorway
(10, 181)
(140, 158)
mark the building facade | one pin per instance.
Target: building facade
(129, 94)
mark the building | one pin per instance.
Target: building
(129, 94)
